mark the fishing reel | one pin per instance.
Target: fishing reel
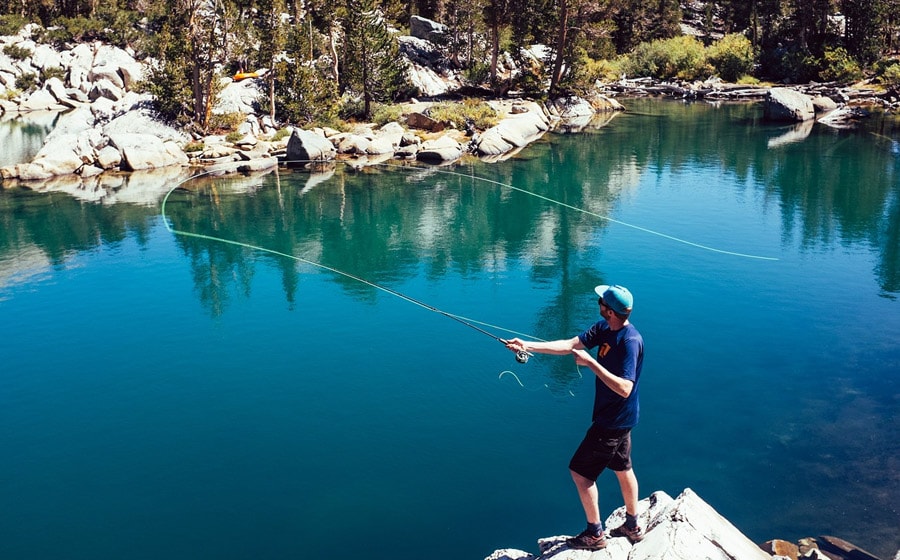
(521, 355)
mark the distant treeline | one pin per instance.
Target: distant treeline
(336, 59)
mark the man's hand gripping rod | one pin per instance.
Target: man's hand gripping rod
(521, 355)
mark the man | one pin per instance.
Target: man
(607, 444)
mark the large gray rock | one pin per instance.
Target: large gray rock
(108, 157)
(132, 114)
(515, 131)
(351, 143)
(40, 100)
(105, 88)
(57, 89)
(146, 151)
(239, 97)
(784, 104)
(428, 69)
(386, 140)
(570, 107)
(824, 104)
(440, 150)
(65, 156)
(117, 65)
(686, 528)
(430, 83)
(307, 146)
(45, 57)
(7, 77)
(423, 28)
(108, 72)
(78, 79)
(72, 122)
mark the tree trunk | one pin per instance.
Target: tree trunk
(560, 46)
(332, 44)
(272, 91)
(367, 93)
(495, 49)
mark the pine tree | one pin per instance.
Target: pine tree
(272, 41)
(371, 62)
(188, 48)
(865, 24)
(304, 93)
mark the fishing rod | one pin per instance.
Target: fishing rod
(521, 355)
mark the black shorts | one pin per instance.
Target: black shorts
(602, 448)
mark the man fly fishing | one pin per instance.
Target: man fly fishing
(607, 443)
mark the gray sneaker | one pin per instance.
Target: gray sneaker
(634, 535)
(587, 541)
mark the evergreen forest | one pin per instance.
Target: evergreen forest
(338, 59)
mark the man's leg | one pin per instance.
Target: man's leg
(629, 485)
(587, 491)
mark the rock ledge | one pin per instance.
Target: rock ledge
(684, 528)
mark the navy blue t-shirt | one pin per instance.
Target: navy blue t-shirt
(622, 353)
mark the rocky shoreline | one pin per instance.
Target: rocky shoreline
(687, 528)
(106, 129)
(105, 126)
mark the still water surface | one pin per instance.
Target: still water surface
(170, 396)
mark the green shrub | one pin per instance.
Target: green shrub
(530, 80)
(66, 29)
(16, 52)
(732, 56)
(682, 57)
(226, 121)
(839, 66)
(10, 24)
(120, 25)
(53, 72)
(281, 134)
(384, 114)
(352, 108)
(233, 137)
(10, 94)
(586, 72)
(27, 81)
(478, 73)
(479, 113)
(790, 64)
(193, 147)
(890, 77)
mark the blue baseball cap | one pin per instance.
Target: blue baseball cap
(617, 297)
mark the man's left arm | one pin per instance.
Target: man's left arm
(619, 385)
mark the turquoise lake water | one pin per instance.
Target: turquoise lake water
(172, 396)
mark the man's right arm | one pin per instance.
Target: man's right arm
(557, 347)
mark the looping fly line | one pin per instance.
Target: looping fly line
(521, 357)
(472, 323)
(588, 212)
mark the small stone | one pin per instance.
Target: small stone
(781, 548)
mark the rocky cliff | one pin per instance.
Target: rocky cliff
(687, 528)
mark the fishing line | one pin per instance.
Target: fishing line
(521, 356)
(583, 211)
(546, 386)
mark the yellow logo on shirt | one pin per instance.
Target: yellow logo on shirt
(604, 350)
